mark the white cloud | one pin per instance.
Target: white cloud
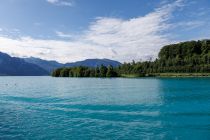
(52, 1)
(188, 25)
(64, 51)
(1, 29)
(119, 39)
(61, 2)
(63, 35)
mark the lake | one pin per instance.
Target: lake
(91, 108)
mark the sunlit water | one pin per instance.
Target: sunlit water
(89, 108)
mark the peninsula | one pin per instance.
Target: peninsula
(185, 59)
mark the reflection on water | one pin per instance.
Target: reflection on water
(88, 108)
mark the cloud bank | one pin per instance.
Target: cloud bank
(137, 39)
(60, 2)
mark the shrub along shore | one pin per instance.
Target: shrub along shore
(185, 59)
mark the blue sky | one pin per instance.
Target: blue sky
(124, 30)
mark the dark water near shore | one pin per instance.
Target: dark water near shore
(89, 108)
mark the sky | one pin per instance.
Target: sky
(122, 30)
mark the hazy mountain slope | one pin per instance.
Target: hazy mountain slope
(47, 65)
(94, 63)
(18, 67)
(52, 65)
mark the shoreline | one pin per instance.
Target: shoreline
(168, 75)
(153, 75)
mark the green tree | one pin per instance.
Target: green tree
(64, 72)
(111, 72)
(56, 73)
(103, 71)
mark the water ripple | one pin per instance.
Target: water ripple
(65, 108)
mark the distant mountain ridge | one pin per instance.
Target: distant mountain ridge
(93, 63)
(47, 65)
(14, 66)
(52, 65)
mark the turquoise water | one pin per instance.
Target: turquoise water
(85, 108)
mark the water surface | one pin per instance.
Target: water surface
(90, 108)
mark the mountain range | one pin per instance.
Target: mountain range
(32, 66)
(18, 67)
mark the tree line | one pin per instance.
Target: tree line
(184, 57)
(82, 71)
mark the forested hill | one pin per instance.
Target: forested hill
(192, 56)
(184, 57)
(186, 53)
